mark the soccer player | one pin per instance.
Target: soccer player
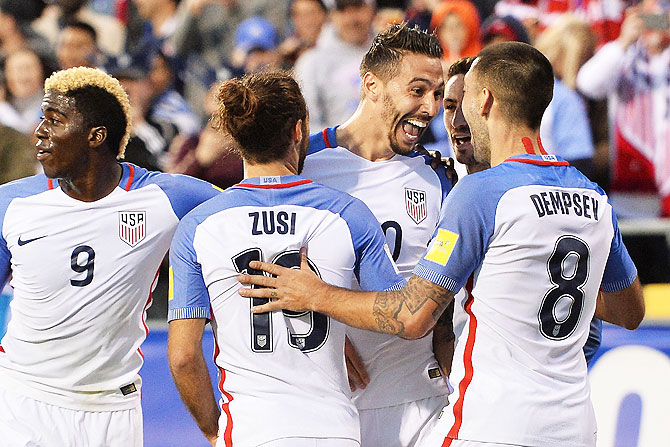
(461, 140)
(399, 389)
(282, 375)
(454, 121)
(538, 249)
(82, 243)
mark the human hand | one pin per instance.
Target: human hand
(292, 289)
(358, 375)
(632, 27)
(438, 160)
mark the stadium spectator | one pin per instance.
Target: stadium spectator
(519, 345)
(17, 158)
(398, 385)
(503, 29)
(110, 31)
(256, 46)
(71, 351)
(419, 12)
(284, 369)
(205, 39)
(16, 31)
(77, 46)
(210, 155)
(24, 77)
(565, 128)
(328, 73)
(457, 23)
(307, 18)
(633, 73)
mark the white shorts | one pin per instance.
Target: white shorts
(306, 442)
(404, 425)
(28, 422)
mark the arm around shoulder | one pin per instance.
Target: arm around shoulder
(624, 308)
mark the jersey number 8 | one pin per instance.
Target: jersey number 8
(568, 269)
(261, 324)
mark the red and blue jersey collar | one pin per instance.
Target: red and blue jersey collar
(273, 182)
(543, 159)
(127, 177)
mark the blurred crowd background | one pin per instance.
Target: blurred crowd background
(610, 116)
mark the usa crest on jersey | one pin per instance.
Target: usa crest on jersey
(415, 203)
(132, 226)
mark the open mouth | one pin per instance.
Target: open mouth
(41, 152)
(413, 128)
(461, 139)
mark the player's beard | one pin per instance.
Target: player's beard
(481, 143)
(304, 146)
(480, 139)
(390, 114)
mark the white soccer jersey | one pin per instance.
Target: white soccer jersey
(535, 240)
(82, 274)
(281, 374)
(405, 194)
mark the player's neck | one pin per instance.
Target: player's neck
(363, 135)
(97, 182)
(272, 169)
(509, 141)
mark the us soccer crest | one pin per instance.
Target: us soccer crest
(415, 203)
(132, 226)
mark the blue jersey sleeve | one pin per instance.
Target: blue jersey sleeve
(620, 271)
(9, 191)
(183, 192)
(462, 235)
(188, 296)
(375, 269)
(5, 258)
(593, 342)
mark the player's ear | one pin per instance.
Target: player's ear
(297, 132)
(371, 86)
(486, 103)
(97, 136)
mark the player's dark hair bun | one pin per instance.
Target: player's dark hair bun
(240, 105)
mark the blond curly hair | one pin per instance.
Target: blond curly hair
(73, 79)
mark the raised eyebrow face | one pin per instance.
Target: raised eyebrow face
(427, 83)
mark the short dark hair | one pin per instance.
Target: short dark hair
(520, 77)
(98, 107)
(460, 66)
(260, 111)
(341, 5)
(83, 26)
(389, 46)
(318, 2)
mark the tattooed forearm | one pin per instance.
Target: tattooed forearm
(393, 309)
(385, 309)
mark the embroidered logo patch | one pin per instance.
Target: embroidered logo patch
(442, 246)
(132, 226)
(415, 203)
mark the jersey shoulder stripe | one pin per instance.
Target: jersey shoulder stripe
(322, 140)
(183, 192)
(21, 188)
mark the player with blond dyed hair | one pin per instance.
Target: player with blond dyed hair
(82, 244)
